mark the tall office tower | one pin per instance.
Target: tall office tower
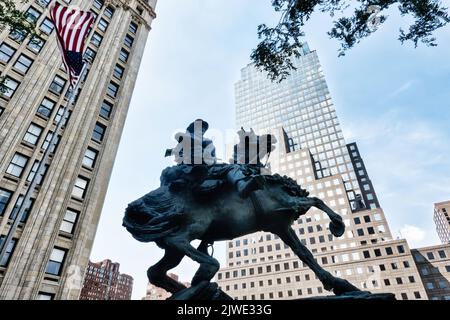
(56, 233)
(313, 151)
(441, 218)
(103, 281)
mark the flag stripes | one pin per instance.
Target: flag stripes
(72, 26)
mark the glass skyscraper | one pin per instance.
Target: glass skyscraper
(312, 150)
(302, 106)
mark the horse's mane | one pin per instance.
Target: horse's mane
(288, 184)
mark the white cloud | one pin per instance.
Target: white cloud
(414, 235)
(404, 87)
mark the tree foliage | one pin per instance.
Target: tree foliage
(15, 20)
(282, 42)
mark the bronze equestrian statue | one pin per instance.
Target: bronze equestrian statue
(211, 202)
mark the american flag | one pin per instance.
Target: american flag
(72, 27)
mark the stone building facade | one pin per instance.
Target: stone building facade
(55, 237)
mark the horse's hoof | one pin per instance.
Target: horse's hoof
(342, 286)
(337, 228)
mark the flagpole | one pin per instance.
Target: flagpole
(41, 167)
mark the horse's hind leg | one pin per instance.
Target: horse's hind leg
(157, 273)
(339, 286)
(208, 265)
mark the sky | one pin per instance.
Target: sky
(392, 99)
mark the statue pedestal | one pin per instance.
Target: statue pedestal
(356, 295)
(203, 291)
(210, 291)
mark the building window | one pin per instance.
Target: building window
(103, 25)
(9, 251)
(10, 86)
(45, 3)
(417, 295)
(112, 90)
(46, 108)
(404, 296)
(6, 52)
(124, 55)
(430, 255)
(23, 63)
(366, 254)
(34, 170)
(90, 54)
(17, 165)
(80, 187)
(54, 265)
(32, 15)
(1, 111)
(109, 12)
(401, 249)
(98, 4)
(97, 39)
(47, 26)
(45, 296)
(59, 115)
(69, 221)
(36, 44)
(17, 35)
(360, 232)
(399, 280)
(58, 84)
(33, 134)
(99, 132)
(5, 197)
(118, 71)
(105, 110)
(47, 140)
(389, 251)
(89, 158)
(133, 28)
(442, 254)
(26, 212)
(128, 41)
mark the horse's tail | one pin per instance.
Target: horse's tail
(153, 216)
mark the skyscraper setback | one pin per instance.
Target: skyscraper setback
(313, 151)
(55, 236)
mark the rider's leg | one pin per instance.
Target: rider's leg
(244, 184)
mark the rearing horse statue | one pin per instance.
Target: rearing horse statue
(172, 219)
(198, 202)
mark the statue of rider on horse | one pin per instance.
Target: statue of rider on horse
(200, 199)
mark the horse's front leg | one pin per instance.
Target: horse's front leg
(337, 226)
(339, 286)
